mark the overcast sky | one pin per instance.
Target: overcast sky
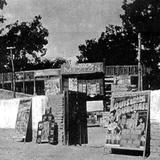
(70, 22)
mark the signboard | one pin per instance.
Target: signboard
(23, 117)
(128, 121)
(46, 73)
(52, 86)
(82, 68)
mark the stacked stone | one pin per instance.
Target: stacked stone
(155, 139)
(56, 102)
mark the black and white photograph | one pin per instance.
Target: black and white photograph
(79, 79)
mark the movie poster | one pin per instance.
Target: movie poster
(52, 86)
(127, 121)
(23, 117)
(73, 84)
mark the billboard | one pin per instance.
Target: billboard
(128, 121)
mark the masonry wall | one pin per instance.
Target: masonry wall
(56, 102)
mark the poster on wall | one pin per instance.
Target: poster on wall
(52, 86)
(23, 116)
(73, 84)
(92, 87)
(128, 122)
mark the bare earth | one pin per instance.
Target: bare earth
(13, 150)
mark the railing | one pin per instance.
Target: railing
(123, 70)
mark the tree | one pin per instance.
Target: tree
(29, 40)
(46, 64)
(2, 4)
(114, 46)
(144, 16)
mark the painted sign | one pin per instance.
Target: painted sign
(23, 117)
(128, 121)
(52, 86)
(82, 68)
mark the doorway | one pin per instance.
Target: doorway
(75, 118)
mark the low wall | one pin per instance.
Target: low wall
(9, 110)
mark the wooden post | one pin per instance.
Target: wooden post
(139, 63)
(13, 70)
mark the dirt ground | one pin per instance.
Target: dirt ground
(13, 150)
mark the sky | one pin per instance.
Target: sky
(69, 22)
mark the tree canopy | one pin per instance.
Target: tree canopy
(118, 44)
(114, 46)
(44, 63)
(144, 16)
(2, 4)
(29, 40)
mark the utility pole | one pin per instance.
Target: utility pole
(140, 82)
(13, 70)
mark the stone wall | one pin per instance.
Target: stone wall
(56, 102)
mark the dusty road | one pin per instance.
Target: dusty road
(12, 150)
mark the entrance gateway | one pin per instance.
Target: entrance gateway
(85, 97)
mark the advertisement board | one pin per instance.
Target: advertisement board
(52, 86)
(23, 117)
(128, 121)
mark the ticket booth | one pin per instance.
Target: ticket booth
(86, 78)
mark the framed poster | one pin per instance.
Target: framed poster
(23, 116)
(128, 121)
